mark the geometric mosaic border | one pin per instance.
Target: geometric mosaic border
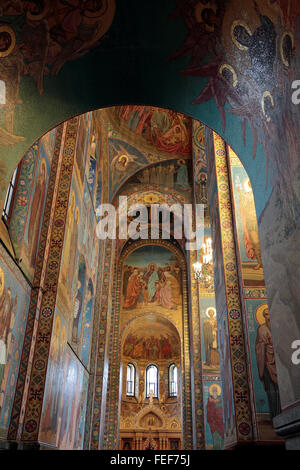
(241, 391)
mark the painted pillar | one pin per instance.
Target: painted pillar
(37, 380)
(234, 320)
(18, 408)
(207, 376)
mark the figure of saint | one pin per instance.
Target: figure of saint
(151, 278)
(133, 290)
(37, 206)
(164, 296)
(214, 413)
(182, 179)
(128, 270)
(77, 313)
(265, 358)
(210, 332)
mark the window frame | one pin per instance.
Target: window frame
(156, 394)
(132, 367)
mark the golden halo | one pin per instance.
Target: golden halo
(259, 317)
(210, 308)
(265, 95)
(2, 281)
(239, 23)
(217, 386)
(30, 16)
(286, 33)
(198, 14)
(76, 214)
(10, 31)
(181, 162)
(234, 75)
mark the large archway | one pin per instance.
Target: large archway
(83, 283)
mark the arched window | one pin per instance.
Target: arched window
(130, 380)
(7, 208)
(152, 381)
(173, 380)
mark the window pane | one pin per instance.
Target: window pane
(173, 380)
(151, 379)
(130, 380)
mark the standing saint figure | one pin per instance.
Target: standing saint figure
(265, 358)
(37, 206)
(134, 288)
(151, 277)
(249, 223)
(214, 414)
(210, 331)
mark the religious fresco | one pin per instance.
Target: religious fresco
(14, 302)
(244, 56)
(221, 36)
(246, 224)
(50, 421)
(151, 282)
(230, 436)
(213, 406)
(151, 337)
(257, 318)
(162, 129)
(76, 287)
(136, 140)
(263, 367)
(93, 168)
(200, 162)
(28, 206)
(64, 406)
(209, 336)
(38, 38)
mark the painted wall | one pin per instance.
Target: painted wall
(147, 54)
(14, 302)
(65, 398)
(260, 344)
(230, 436)
(29, 202)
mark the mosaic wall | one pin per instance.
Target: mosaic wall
(75, 301)
(229, 63)
(257, 320)
(14, 302)
(29, 201)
